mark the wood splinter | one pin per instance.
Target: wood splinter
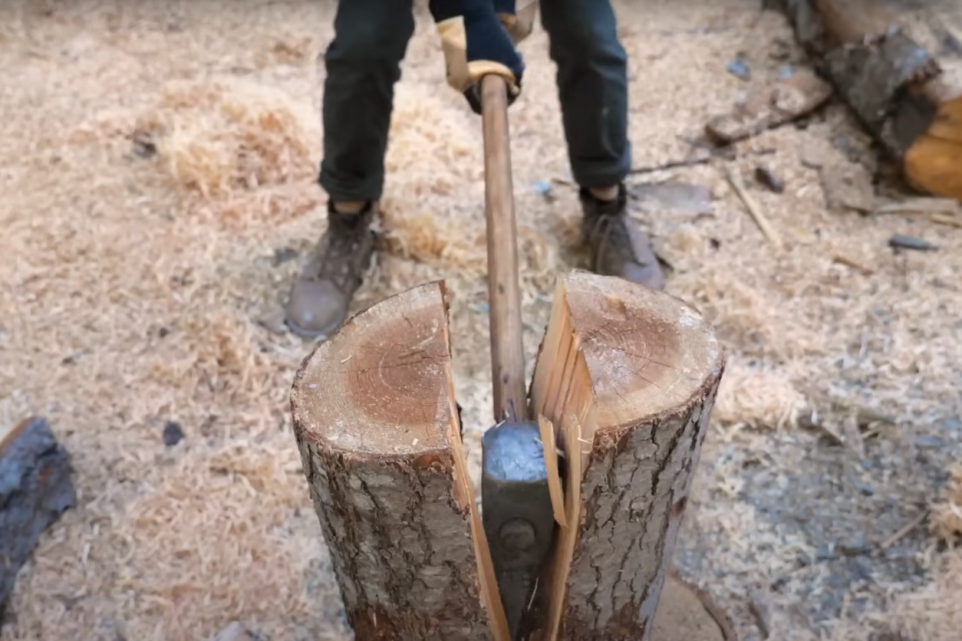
(735, 180)
(624, 386)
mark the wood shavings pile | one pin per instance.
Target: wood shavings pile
(227, 514)
(228, 135)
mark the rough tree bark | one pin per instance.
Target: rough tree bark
(379, 434)
(628, 377)
(35, 489)
(909, 100)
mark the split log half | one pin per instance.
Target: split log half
(627, 376)
(909, 100)
(35, 489)
(377, 426)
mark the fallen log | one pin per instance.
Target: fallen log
(909, 100)
(628, 377)
(624, 383)
(35, 489)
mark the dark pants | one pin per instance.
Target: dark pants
(363, 64)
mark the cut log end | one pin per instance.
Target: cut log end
(377, 425)
(934, 161)
(627, 375)
(381, 387)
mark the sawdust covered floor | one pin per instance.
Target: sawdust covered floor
(158, 192)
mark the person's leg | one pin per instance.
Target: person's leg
(363, 65)
(592, 83)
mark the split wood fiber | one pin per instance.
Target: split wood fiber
(378, 430)
(627, 376)
(909, 100)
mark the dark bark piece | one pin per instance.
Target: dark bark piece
(628, 377)
(35, 489)
(908, 100)
(767, 177)
(377, 426)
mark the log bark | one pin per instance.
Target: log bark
(35, 489)
(628, 377)
(909, 100)
(378, 430)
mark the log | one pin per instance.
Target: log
(624, 386)
(35, 489)
(907, 99)
(377, 426)
(627, 376)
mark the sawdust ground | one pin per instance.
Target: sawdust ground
(157, 188)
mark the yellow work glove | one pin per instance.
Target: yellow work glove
(479, 37)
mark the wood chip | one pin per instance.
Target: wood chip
(789, 99)
(848, 262)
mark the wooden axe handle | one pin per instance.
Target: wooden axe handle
(504, 292)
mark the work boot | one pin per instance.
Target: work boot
(322, 293)
(617, 246)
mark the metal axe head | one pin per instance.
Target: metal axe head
(516, 511)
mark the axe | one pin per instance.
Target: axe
(515, 500)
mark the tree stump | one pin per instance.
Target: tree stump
(623, 389)
(908, 99)
(379, 434)
(628, 377)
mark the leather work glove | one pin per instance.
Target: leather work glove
(478, 38)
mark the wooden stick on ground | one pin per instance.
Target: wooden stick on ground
(756, 212)
(909, 101)
(628, 376)
(377, 426)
